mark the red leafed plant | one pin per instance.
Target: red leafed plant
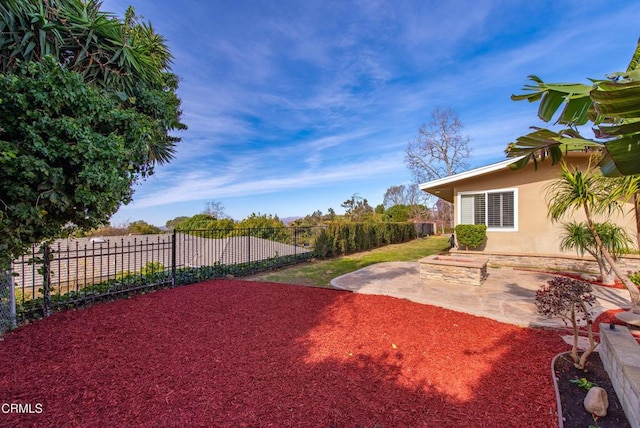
(570, 300)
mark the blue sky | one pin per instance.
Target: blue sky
(294, 106)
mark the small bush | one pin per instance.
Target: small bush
(570, 300)
(634, 277)
(471, 235)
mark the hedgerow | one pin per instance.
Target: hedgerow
(340, 238)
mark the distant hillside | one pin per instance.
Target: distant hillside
(288, 220)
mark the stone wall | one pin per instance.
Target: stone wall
(455, 270)
(551, 262)
(620, 354)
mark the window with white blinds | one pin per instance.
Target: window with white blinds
(500, 210)
(472, 209)
(495, 209)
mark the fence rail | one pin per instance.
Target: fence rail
(7, 302)
(77, 272)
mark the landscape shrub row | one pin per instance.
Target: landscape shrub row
(347, 238)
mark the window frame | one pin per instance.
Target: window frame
(515, 226)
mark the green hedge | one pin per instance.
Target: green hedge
(347, 238)
(471, 235)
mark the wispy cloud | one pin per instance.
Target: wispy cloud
(281, 97)
(202, 186)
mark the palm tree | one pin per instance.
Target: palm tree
(628, 190)
(578, 236)
(577, 190)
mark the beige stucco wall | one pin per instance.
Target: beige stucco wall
(536, 233)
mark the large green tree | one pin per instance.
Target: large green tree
(87, 107)
(124, 57)
(205, 222)
(141, 227)
(260, 221)
(396, 213)
(357, 209)
(263, 226)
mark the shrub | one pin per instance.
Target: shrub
(634, 277)
(323, 244)
(347, 238)
(570, 300)
(471, 235)
(152, 267)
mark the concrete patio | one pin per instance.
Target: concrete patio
(507, 295)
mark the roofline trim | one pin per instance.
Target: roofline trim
(469, 174)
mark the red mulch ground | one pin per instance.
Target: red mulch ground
(235, 353)
(608, 317)
(617, 283)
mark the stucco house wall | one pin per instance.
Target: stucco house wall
(533, 232)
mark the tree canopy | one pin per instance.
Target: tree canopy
(204, 221)
(260, 221)
(403, 195)
(612, 108)
(174, 222)
(357, 209)
(138, 227)
(317, 218)
(141, 227)
(440, 149)
(396, 213)
(87, 107)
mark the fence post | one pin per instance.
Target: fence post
(46, 282)
(12, 300)
(8, 311)
(249, 247)
(173, 259)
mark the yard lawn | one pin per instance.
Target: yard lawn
(319, 273)
(230, 353)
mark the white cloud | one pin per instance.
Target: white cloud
(199, 186)
(281, 96)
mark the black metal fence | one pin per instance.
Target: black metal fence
(7, 304)
(76, 272)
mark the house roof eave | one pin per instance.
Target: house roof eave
(443, 187)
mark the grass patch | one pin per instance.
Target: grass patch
(319, 273)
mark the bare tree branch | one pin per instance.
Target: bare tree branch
(439, 150)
